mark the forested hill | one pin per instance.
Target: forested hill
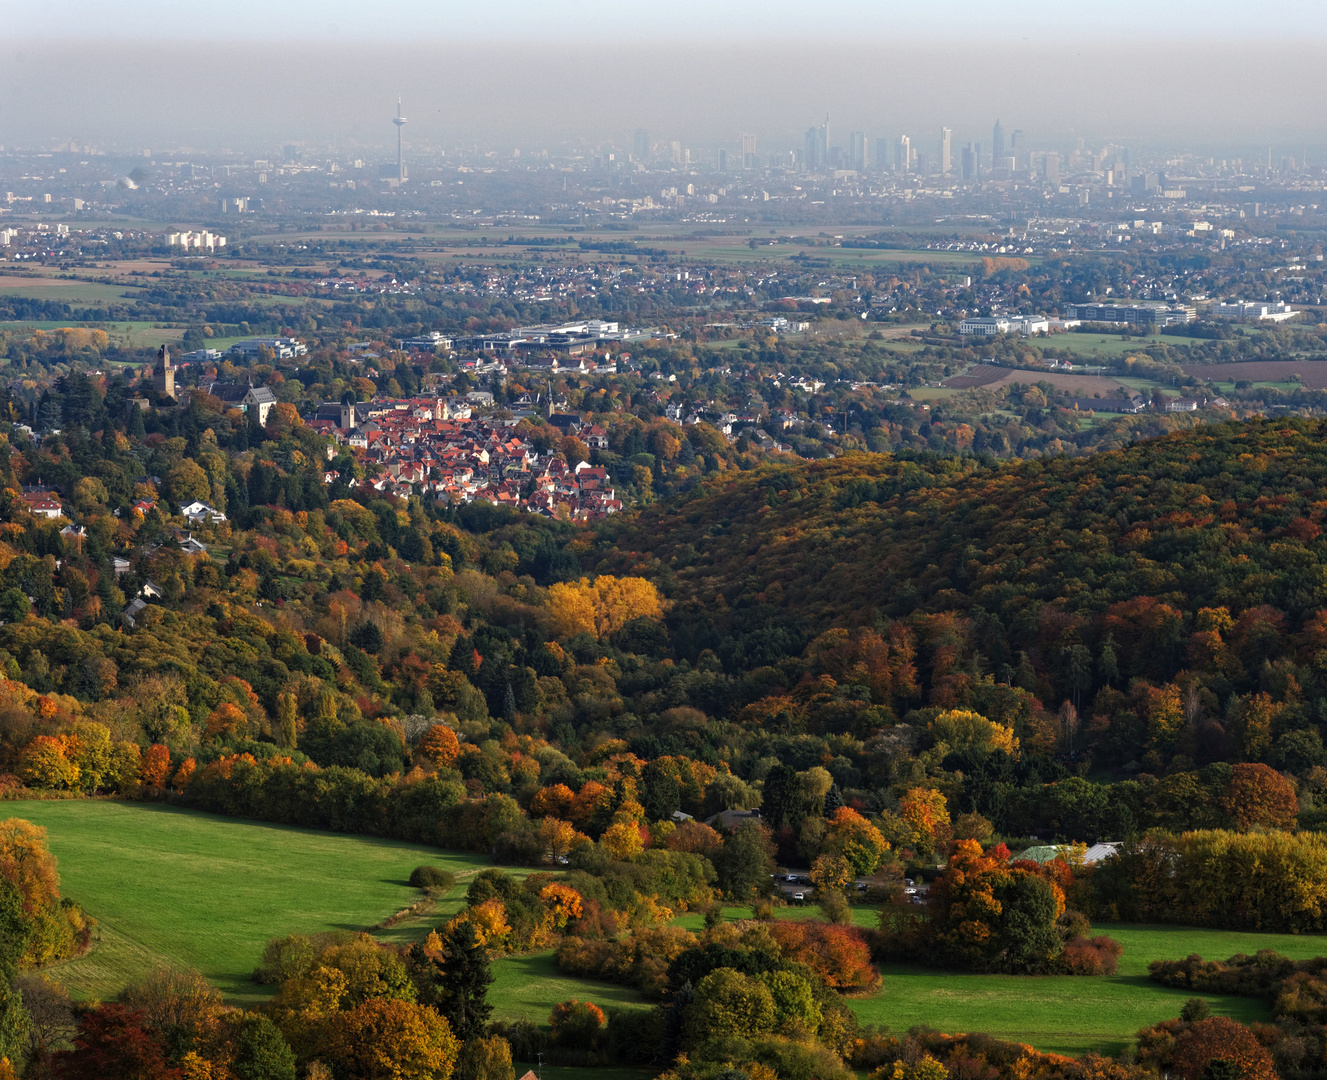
(1222, 516)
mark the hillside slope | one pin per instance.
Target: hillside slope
(1226, 515)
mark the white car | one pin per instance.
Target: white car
(798, 896)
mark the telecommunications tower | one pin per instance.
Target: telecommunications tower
(399, 121)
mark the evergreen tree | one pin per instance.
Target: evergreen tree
(833, 800)
(457, 983)
(671, 1043)
(462, 657)
(1107, 663)
(779, 803)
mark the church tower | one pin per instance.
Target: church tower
(163, 375)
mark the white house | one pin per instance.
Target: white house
(200, 511)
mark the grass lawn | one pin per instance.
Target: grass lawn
(197, 890)
(1071, 1015)
(1064, 1014)
(527, 988)
(1107, 344)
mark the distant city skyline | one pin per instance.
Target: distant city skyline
(1232, 100)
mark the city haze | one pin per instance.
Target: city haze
(1226, 98)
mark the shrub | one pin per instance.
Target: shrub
(576, 1024)
(1221, 1039)
(433, 878)
(1098, 956)
(1195, 1009)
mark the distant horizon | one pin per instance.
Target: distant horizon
(1225, 99)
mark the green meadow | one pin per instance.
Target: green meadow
(173, 886)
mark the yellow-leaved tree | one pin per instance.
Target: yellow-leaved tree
(603, 606)
(962, 730)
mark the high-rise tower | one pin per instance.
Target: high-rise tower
(748, 151)
(399, 121)
(946, 150)
(997, 146)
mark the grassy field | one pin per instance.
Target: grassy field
(69, 292)
(170, 886)
(196, 890)
(1228, 386)
(527, 988)
(1072, 1015)
(1107, 344)
(1063, 1014)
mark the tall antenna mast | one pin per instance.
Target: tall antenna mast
(400, 122)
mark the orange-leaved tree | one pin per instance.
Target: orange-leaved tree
(1258, 795)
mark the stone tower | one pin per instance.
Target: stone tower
(163, 375)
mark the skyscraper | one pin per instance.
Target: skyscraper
(946, 151)
(997, 146)
(968, 168)
(723, 160)
(640, 145)
(903, 155)
(817, 146)
(881, 154)
(1018, 149)
(857, 151)
(748, 151)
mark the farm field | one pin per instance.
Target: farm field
(55, 289)
(1312, 373)
(1087, 345)
(988, 377)
(133, 334)
(196, 890)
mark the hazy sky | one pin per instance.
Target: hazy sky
(253, 74)
(584, 20)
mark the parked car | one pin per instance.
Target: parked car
(798, 896)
